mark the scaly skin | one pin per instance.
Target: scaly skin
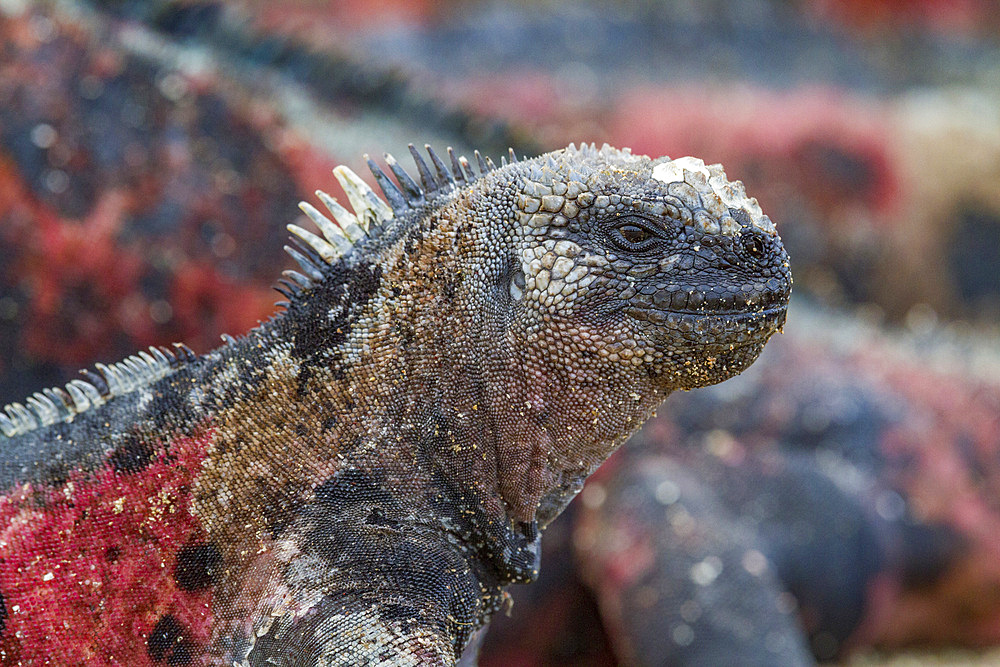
(358, 479)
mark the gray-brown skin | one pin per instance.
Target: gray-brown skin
(383, 455)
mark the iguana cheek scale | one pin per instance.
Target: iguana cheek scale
(356, 480)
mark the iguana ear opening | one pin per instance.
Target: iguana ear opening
(516, 284)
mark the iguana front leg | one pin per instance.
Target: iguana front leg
(362, 577)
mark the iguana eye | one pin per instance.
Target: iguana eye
(753, 245)
(631, 236)
(634, 233)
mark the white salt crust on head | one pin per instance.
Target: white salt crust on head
(713, 187)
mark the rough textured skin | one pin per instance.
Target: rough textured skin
(357, 479)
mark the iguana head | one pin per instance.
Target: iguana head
(622, 265)
(542, 309)
(606, 280)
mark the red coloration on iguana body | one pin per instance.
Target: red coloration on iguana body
(102, 559)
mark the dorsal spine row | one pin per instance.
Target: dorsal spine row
(107, 381)
(310, 251)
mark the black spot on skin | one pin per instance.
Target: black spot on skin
(329, 423)
(350, 487)
(58, 478)
(166, 412)
(529, 530)
(301, 430)
(167, 644)
(411, 245)
(247, 374)
(277, 527)
(198, 566)
(402, 614)
(131, 457)
(302, 381)
(182, 655)
(3, 613)
(405, 333)
(112, 554)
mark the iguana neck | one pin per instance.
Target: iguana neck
(427, 398)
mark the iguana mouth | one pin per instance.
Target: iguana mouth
(713, 322)
(692, 300)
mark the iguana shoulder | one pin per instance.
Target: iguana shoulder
(359, 478)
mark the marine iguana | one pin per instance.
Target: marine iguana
(356, 480)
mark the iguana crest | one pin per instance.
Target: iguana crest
(369, 214)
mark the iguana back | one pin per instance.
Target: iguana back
(356, 480)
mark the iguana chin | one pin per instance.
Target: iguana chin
(356, 480)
